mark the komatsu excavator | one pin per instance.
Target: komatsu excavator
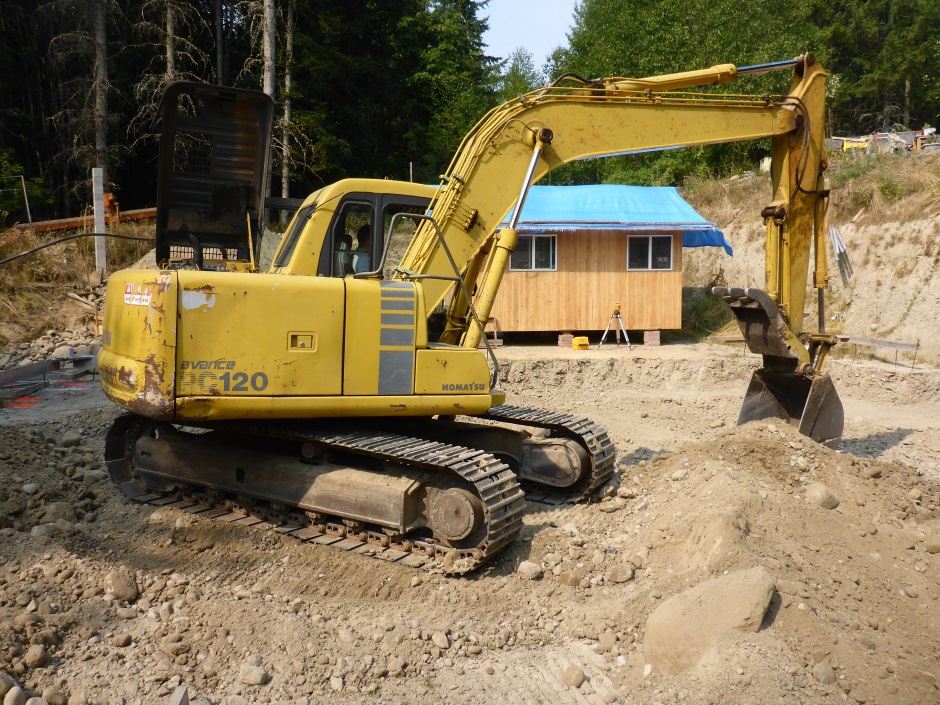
(312, 398)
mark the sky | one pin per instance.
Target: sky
(537, 25)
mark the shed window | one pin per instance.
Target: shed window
(649, 252)
(534, 253)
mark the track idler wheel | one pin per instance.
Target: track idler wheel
(456, 517)
(119, 451)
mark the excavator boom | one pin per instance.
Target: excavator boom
(519, 142)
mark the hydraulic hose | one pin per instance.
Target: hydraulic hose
(72, 237)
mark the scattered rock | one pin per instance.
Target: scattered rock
(6, 683)
(606, 642)
(910, 591)
(818, 495)
(336, 683)
(122, 640)
(925, 677)
(823, 673)
(573, 676)
(70, 439)
(440, 640)
(683, 628)
(614, 505)
(203, 544)
(252, 675)
(122, 585)
(15, 696)
(620, 574)
(529, 570)
(36, 657)
(55, 697)
(42, 531)
(932, 543)
(680, 474)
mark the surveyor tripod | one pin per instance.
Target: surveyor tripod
(618, 329)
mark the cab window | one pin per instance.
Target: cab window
(290, 240)
(400, 238)
(352, 239)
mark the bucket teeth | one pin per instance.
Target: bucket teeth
(782, 389)
(809, 403)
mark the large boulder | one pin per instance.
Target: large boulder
(683, 628)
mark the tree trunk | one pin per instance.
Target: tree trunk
(907, 103)
(219, 54)
(288, 67)
(268, 43)
(170, 41)
(101, 88)
(268, 71)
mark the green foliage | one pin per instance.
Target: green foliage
(458, 76)
(611, 37)
(667, 168)
(703, 314)
(12, 204)
(520, 76)
(376, 86)
(884, 54)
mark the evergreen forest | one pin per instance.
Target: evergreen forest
(386, 89)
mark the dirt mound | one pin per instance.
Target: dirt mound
(242, 616)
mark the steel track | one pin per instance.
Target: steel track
(592, 436)
(493, 481)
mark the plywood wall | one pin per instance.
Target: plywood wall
(591, 275)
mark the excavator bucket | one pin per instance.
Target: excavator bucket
(809, 403)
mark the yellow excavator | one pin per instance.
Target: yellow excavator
(338, 395)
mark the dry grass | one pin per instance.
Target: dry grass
(32, 289)
(895, 187)
(723, 202)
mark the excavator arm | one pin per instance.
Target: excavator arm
(519, 142)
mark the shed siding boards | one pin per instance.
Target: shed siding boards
(591, 275)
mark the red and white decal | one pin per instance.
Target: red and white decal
(137, 294)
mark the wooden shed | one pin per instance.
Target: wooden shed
(584, 248)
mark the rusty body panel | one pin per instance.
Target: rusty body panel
(137, 363)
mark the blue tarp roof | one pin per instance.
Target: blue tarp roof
(615, 207)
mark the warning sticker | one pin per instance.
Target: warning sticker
(138, 295)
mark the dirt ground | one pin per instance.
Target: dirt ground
(102, 601)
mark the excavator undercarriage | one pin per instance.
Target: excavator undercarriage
(401, 497)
